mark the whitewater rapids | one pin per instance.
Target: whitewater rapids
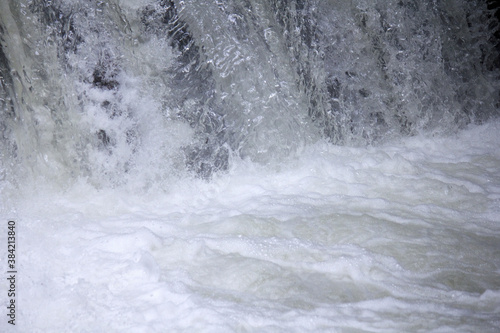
(250, 166)
(402, 237)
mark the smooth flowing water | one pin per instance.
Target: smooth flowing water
(259, 165)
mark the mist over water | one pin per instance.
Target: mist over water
(252, 165)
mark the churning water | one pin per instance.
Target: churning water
(254, 165)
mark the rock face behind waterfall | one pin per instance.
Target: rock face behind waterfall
(120, 90)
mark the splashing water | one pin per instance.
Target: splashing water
(102, 90)
(279, 165)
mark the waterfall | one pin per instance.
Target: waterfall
(250, 165)
(114, 91)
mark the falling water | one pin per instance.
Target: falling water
(259, 164)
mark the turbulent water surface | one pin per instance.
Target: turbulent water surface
(257, 165)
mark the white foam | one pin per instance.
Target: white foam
(393, 238)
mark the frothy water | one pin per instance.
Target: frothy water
(403, 237)
(251, 165)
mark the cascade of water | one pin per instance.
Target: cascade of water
(114, 91)
(372, 70)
